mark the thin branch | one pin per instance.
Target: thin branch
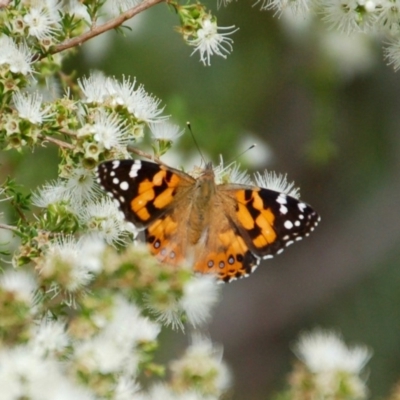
(68, 132)
(9, 227)
(59, 143)
(112, 24)
(143, 154)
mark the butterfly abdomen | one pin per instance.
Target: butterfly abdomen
(201, 209)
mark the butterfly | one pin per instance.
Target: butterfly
(221, 229)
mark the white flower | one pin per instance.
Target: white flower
(102, 90)
(200, 295)
(18, 57)
(389, 16)
(51, 193)
(165, 130)
(126, 388)
(29, 107)
(64, 262)
(113, 350)
(76, 8)
(81, 187)
(231, 174)
(41, 23)
(298, 7)
(139, 103)
(203, 361)
(349, 15)
(392, 54)
(109, 130)
(49, 337)
(272, 181)
(209, 42)
(333, 370)
(104, 219)
(21, 284)
(94, 87)
(26, 375)
(324, 351)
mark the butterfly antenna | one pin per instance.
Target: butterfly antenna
(195, 142)
(240, 154)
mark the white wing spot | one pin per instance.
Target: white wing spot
(115, 164)
(121, 199)
(302, 206)
(283, 209)
(282, 199)
(124, 185)
(288, 224)
(135, 168)
(112, 173)
(115, 181)
(297, 223)
(289, 243)
(280, 251)
(268, 256)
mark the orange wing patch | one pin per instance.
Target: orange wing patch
(255, 218)
(156, 193)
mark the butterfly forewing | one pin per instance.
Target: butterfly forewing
(143, 190)
(271, 221)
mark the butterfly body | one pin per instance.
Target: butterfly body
(222, 229)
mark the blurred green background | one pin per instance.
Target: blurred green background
(325, 109)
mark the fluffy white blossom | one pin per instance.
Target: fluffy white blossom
(325, 351)
(165, 130)
(231, 173)
(109, 130)
(104, 219)
(298, 7)
(200, 295)
(202, 360)
(18, 57)
(24, 374)
(349, 15)
(65, 263)
(29, 106)
(41, 23)
(113, 349)
(209, 41)
(277, 182)
(109, 91)
(50, 193)
(94, 87)
(333, 370)
(49, 337)
(21, 284)
(81, 187)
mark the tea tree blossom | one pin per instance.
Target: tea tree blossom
(330, 368)
(17, 57)
(208, 41)
(273, 181)
(29, 107)
(41, 23)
